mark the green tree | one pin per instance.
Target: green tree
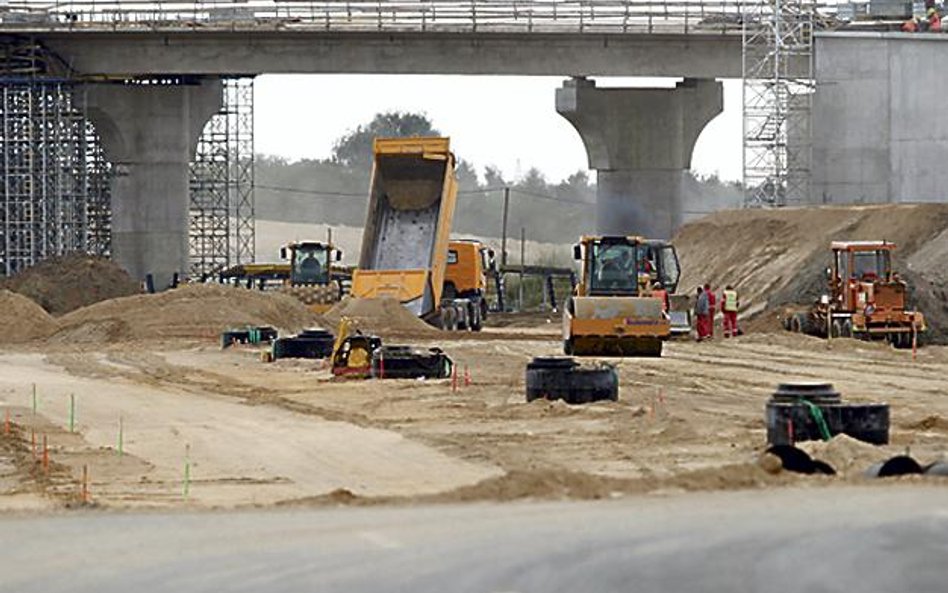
(354, 149)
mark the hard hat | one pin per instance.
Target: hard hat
(931, 11)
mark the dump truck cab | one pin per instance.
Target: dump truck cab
(469, 261)
(615, 308)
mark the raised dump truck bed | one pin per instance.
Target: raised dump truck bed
(408, 224)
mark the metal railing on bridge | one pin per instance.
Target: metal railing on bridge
(524, 16)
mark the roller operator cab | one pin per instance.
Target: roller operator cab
(311, 278)
(620, 307)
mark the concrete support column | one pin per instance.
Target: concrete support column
(639, 141)
(149, 134)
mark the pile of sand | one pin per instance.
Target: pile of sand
(196, 310)
(778, 257)
(66, 283)
(848, 456)
(382, 317)
(22, 319)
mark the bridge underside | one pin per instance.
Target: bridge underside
(535, 54)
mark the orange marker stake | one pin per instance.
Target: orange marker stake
(467, 376)
(45, 455)
(454, 379)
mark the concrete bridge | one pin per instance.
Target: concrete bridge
(639, 141)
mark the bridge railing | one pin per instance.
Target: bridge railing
(550, 16)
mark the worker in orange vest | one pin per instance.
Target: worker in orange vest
(729, 305)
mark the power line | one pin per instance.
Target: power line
(334, 194)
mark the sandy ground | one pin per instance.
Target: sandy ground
(267, 433)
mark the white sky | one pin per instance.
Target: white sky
(509, 122)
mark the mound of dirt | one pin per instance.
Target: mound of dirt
(66, 283)
(191, 311)
(848, 456)
(777, 258)
(382, 317)
(23, 320)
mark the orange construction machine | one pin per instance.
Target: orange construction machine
(865, 298)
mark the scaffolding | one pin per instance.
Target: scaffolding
(54, 180)
(222, 185)
(778, 84)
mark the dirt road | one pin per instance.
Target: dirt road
(262, 433)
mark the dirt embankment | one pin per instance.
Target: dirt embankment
(777, 258)
(191, 311)
(69, 282)
(23, 320)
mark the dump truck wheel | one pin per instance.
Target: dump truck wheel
(477, 322)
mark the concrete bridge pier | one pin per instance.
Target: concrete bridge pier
(149, 133)
(639, 141)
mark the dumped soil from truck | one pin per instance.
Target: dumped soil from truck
(383, 317)
(777, 258)
(22, 319)
(66, 283)
(191, 311)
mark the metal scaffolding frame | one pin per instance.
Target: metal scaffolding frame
(222, 185)
(778, 85)
(54, 180)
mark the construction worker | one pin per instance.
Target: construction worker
(934, 20)
(712, 302)
(701, 314)
(729, 305)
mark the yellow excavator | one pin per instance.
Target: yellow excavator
(620, 306)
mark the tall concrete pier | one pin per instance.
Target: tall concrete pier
(149, 132)
(639, 141)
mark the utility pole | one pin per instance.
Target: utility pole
(503, 232)
(523, 240)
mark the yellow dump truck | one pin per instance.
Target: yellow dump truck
(405, 242)
(620, 306)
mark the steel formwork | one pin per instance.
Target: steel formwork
(54, 181)
(222, 193)
(777, 93)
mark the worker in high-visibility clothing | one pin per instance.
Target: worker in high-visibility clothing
(729, 306)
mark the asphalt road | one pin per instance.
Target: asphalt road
(867, 539)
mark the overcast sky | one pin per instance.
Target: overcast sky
(509, 122)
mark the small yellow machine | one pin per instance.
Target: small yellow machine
(619, 307)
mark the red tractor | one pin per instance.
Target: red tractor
(866, 299)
